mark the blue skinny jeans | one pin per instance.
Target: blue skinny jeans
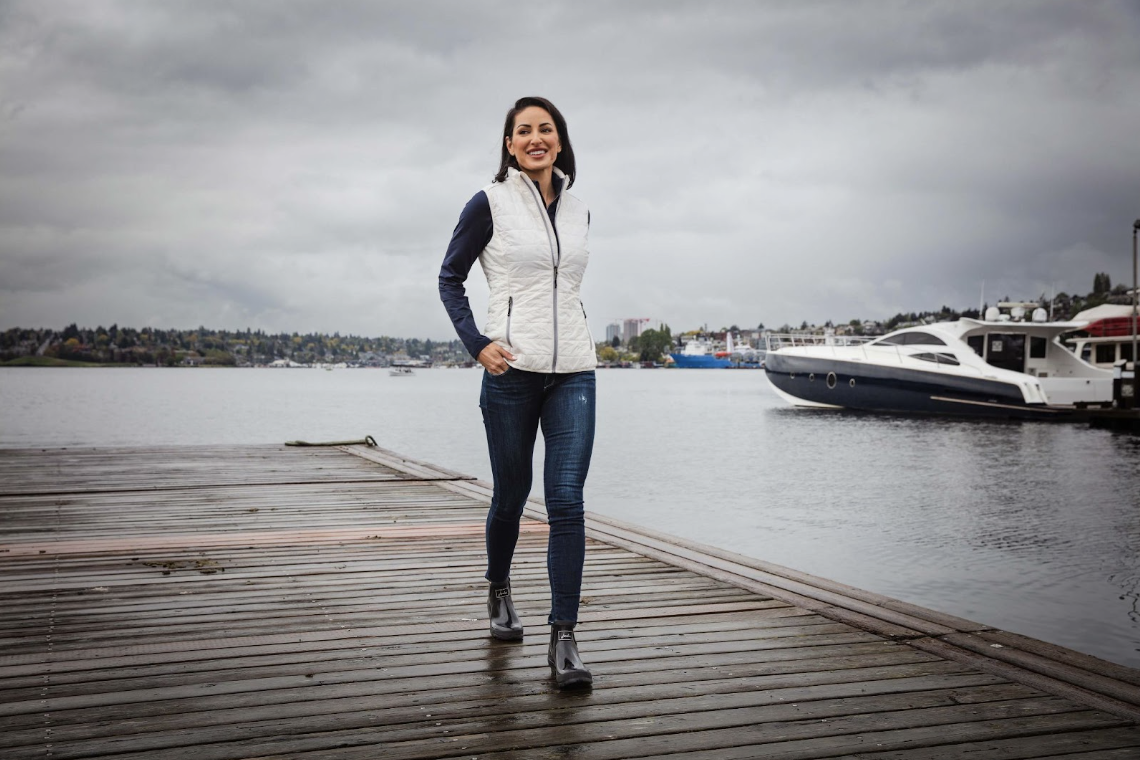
(515, 404)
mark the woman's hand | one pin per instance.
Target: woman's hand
(494, 358)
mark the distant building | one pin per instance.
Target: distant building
(630, 329)
(613, 330)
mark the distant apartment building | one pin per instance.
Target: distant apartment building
(630, 329)
(613, 330)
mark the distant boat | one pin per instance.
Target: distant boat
(401, 371)
(701, 354)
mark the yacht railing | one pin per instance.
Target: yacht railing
(775, 341)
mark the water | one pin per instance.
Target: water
(1029, 527)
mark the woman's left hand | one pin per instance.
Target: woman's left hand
(494, 358)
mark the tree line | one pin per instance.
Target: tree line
(148, 345)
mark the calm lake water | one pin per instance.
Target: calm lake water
(1029, 527)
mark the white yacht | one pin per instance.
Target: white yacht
(1006, 365)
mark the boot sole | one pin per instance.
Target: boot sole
(571, 678)
(506, 634)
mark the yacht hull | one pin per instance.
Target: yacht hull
(828, 382)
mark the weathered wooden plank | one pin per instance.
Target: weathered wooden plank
(945, 738)
(159, 468)
(985, 662)
(1054, 661)
(1085, 745)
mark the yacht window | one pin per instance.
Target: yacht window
(937, 358)
(1037, 347)
(1105, 353)
(914, 339)
(922, 339)
(1125, 352)
(978, 343)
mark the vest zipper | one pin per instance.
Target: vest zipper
(510, 307)
(555, 253)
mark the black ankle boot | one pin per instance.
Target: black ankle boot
(565, 663)
(505, 623)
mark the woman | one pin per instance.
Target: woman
(530, 236)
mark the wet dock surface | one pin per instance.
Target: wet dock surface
(273, 602)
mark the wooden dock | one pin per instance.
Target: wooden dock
(272, 602)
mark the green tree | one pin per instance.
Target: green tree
(652, 344)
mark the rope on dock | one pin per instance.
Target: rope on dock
(366, 441)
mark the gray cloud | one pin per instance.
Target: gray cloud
(300, 165)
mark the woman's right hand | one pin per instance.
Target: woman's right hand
(494, 358)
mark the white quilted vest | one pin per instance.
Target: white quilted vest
(535, 276)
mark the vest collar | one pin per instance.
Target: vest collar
(558, 179)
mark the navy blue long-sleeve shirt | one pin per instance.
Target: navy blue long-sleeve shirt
(470, 237)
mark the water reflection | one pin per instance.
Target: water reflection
(499, 660)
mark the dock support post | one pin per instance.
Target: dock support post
(1135, 295)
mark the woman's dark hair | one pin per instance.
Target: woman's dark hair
(565, 158)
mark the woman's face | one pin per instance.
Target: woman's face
(534, 140)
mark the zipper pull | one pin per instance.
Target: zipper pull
(556, 277)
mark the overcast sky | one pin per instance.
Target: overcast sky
(299, 166)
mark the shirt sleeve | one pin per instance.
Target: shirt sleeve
(470, 237)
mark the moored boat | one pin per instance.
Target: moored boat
(701, 354)
(1106, 339)
(1002, 366)
(704, 354)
